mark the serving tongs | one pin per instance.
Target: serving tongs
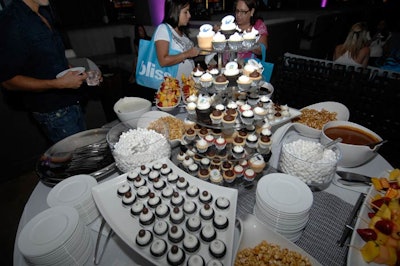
(350, 178)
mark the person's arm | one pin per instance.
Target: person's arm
(165, 59)
(363, 56)
(264, 40)
(71, 80)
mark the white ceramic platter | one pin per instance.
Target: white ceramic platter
(127, 226)
(148, 117)
(79, 69)
(255, 231)
(342, 111)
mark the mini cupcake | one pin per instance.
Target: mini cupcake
(176, 234)
(244, 163)
(196, 260)
(203, 132)
(216, 116)
(206, 80)
(242, 133)
(189, 207)
(205, 197)
(159, 184)
(160, 227)
(257, 163)
(228, 121)
(216, 177)
(222, 203)
(146, 217)
(208, 233)
(259, 113)
(217, 248)
(249, 174)
(138, 182)
(158, 247)
(220, 143)
(232, 112)
(187, 161)
(220, 221)
(253, 98)
(205, 163)
(175, 256)
(143, 192)
(197, 72)
(191, 243)
(266, 101)
(128, 199)
(177, 199)
(239, 141)
(197, 158)
(153, 175)
(229, 176)
(157, 166)
(182, 183)
(123, 189)
(153, 201)
(192, 98)
(247, 117)
(181, 156)
(266, 132)
(137, 208)
(256, 77)
(209, 139)
(192, 191)
(244, 83)
(191, 152)
(162, 210)
(245, 107)
(172, 178)
(238, 151)
(220, 107)
(177, 216)
(238, 169)
(251, 141)
(144, 170)
(220, 82)
(144, 237)
(207, 212)
(264, 142)
(204, 174)
(219, 41)
(211, 153)
(193, 169)
(165, 169)
(226, 165)
(203, 110)
(191, 108)
(167, 192)
(201, 145)
(132, 175)
(193, 223)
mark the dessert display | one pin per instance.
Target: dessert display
(171, 225)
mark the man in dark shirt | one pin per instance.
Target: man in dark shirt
(31, 55)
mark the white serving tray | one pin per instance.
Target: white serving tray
(127, 226)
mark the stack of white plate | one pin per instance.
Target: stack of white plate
(283, 202)
(56, 236)
(76, 191)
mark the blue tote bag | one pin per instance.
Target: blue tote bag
(268, 67)
(149, 73)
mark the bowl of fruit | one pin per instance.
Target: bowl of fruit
(168, 95)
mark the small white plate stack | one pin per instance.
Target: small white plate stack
(76, 192)
(283, 202)
(56, 236)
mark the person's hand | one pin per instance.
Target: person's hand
(193, 52)
(72, 80)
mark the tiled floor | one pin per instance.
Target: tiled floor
(14, 194)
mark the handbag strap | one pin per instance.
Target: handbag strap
(169, 34)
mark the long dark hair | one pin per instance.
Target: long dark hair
(172, 9)
(250, 4)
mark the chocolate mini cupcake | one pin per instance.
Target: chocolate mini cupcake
(172, 178)
(177, 199)
(160, 228)
(196, 260)
(176, 234)
(162, 210)
(153, 175)
(205, 197)
(220, 221)
(182, 183)
(193, 223)
(165, 169)
(144, 170)
(192, 191)
(137, 208)
(239, 141)
(189, 207)
(177, 216)
(128, 199)
(143, 192)
(132, 175)
(157, 166)
(139, 181)
(158, 247)
(167, 192)
(229, 176)
(159, 184)
(207, 212)
(190, 134)
(222, 203)
(191, 243)
(203, 174)
(180, 156)
(123, 189)
(216, 116)
(144, 237)
(208, 233)
(175, 256)
(146, 217)
(217, 248)
(226, 165)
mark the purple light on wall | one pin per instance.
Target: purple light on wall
(323, 3)
(156, 8)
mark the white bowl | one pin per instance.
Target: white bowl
(131, 108)
(341, 110)
(352, 155)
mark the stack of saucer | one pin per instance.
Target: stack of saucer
(56, 236)
(76, 191)
(283, 202)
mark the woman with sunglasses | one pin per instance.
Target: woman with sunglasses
(245, 11)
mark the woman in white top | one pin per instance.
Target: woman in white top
(355, 50)
(176, 17)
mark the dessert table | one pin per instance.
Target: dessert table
(328, 215)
